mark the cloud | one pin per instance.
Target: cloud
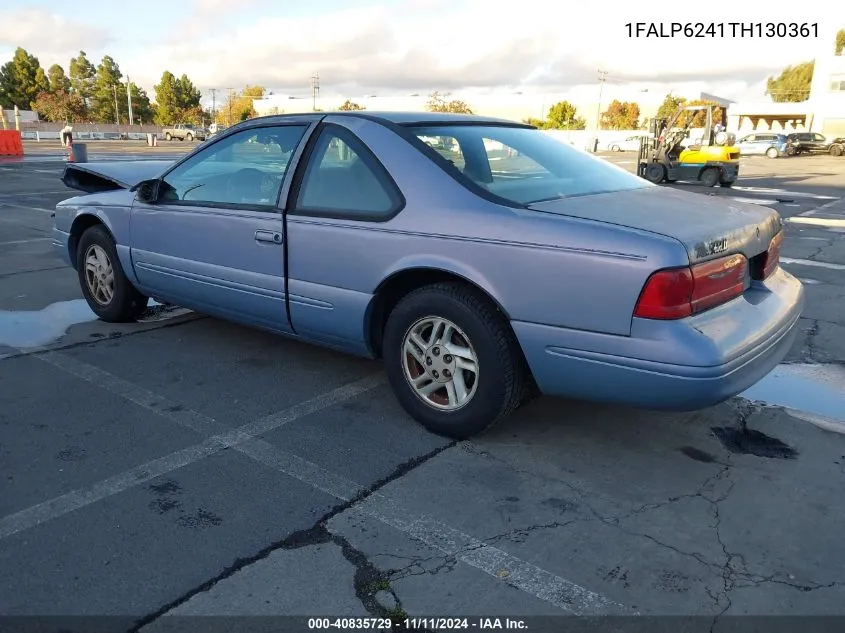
(49, 36)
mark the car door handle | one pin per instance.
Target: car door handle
(273, 237)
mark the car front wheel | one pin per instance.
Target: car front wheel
(110, 295)
(453, 360)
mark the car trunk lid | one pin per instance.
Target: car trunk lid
(707, 226)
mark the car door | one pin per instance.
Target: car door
(819, 143)
(747, 145)
(343, 198)
(211, 238)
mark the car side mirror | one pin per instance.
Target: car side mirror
(147, 191)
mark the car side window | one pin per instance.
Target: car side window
(748, 139)
(818, 137)
(344, 178)
(246, 168)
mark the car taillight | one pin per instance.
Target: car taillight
(676, 293)
(772, 260)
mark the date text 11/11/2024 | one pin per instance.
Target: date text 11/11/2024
(723, 29)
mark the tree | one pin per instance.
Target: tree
(350, 105)
(142, 110)
(177, 100)
(58, 80)
(840, 42)
(699, 119)
(564, 116)
(438, 102)
(793, 83)
(21, 80)
(167, 100)
(669, 106)
(187, 95)
(238, 106)
(621, 116)
(60, 106)
(107, 90)
(82, 73)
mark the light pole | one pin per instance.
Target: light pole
(602, 79)
(129, 98)
(116, 112)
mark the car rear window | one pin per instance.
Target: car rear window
(520, 165)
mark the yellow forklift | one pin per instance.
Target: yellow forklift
(713, 159)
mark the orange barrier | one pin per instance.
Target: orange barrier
(10, 143)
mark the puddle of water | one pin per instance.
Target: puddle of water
(28, 329)
(23, 329)
(814, 389)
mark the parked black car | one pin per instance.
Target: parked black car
(807, 143)
(837, 147)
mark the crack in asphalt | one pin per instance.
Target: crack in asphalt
(367, 576)
(732, 571)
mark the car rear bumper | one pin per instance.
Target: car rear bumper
(673, 365)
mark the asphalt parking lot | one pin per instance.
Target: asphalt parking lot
(183, 465)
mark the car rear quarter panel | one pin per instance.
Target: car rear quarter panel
(538, 267)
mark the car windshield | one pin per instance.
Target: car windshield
(523, 165)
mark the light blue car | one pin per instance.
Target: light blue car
(481, 259)
(763, 144)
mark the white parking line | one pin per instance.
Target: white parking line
(30, 241)
(821, 208)
(784, 192)
(529, 578)
(760, 201)
(59, 506)
(838, 223)
(810, 262)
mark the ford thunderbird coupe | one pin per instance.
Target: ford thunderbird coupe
(484, 261)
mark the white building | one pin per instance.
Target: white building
(827, 93)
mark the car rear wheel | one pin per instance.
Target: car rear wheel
(189, 138)
(772, 152)
(453, 360)
(110, 295)
(615, 148)
(709, 177)
(836, 150)
(168, 136)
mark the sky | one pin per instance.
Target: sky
(400, 47)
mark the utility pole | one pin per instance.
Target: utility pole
(315, 90)
(116, 113)
(230, 106)
(602, 79)
(213, 92)
(129, 97)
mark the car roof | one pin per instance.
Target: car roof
(395, 118)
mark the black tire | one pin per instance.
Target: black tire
(836, 150)
(189, 138)
(772, 152)
(655, 172)
(168, 137)
(709, 177)
(126, 303)
(615, 148)
(497, 393)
